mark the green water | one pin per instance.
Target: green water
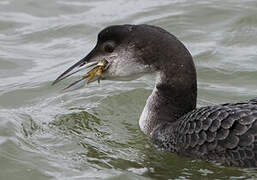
(93, 133)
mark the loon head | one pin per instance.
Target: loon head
(133, 50)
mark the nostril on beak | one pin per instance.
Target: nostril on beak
(82, 64)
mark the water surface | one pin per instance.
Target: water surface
(93, 133)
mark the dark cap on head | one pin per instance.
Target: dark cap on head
(115, 33)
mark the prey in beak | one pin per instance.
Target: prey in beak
(94, 74)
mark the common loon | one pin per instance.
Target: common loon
(225, 133)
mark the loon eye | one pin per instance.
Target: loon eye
(108, 48)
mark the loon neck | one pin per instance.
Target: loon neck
(174, 95)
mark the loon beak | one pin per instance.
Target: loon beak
(97, 70)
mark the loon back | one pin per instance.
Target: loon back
(225, 133)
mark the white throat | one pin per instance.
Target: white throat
(149, 116)
(146, 121)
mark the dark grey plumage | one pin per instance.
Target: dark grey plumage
(225, 133)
